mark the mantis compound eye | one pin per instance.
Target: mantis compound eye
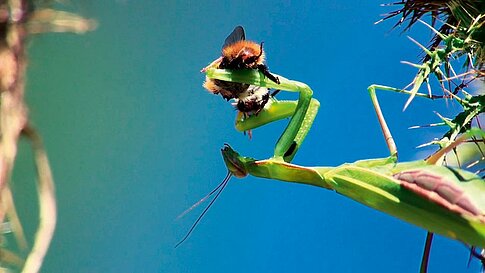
(233, 162)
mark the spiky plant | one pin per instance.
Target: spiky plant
(462, 20)
(458, 28)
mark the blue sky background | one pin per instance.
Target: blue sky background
(134, 140)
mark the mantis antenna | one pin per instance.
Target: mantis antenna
(219, 189)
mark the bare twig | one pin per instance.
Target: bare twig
(47, 204)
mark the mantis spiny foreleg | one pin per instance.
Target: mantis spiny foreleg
(302, 112)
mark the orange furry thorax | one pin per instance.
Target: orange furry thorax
(243, 49)
(237, 54)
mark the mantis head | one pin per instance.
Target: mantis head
(235, 163)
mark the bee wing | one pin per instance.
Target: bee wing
(236, 35)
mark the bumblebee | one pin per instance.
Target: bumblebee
(238, 53)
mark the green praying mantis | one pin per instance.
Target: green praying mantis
(443, 200)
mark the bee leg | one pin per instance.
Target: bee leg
(264, 69)
(264, 101)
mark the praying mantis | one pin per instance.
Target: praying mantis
(443, 200)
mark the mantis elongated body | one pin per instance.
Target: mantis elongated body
(443, 200)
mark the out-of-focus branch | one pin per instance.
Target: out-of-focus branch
(47, 204)
(50, 20)
(18, 19)
(13, 112)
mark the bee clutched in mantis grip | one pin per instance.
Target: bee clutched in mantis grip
(239, 53)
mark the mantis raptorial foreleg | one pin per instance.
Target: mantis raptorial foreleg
(302, 112)
(291, 139)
